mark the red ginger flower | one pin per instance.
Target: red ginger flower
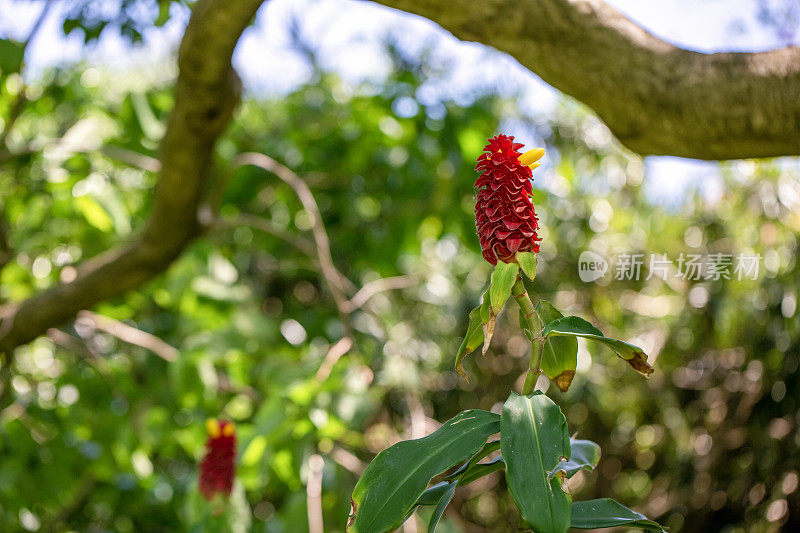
(504, 213)
(217, 468)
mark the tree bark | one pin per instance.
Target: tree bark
(656, 98)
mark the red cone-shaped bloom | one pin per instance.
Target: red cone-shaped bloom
(504, 213)
(217, 469)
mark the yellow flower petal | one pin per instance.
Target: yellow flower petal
(531, 156)
(212, 426)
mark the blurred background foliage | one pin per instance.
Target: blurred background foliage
(99, 433)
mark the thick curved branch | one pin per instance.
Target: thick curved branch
(656, 98)
(206, 93)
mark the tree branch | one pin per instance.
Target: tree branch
(336, 281)
(206, 93)
(130, 334)
(656, 98)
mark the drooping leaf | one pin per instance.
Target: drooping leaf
(444, 501)
(503, 277)
(472, 340)
(560, 356)
(533, 441)
(583, 454)
(574, 326)
(487, 320)
(488, 332)
(605, 512)
(527, 262)
(399, 475)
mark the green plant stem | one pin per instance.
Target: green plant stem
(537, 341)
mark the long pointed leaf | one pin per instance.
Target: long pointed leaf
(444, 501)
(605, 512)
(398, 476)
(533, 441)
(577, 327)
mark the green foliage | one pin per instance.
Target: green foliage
(534, 441)
(11, 55)
(605, 512)
(399, 475)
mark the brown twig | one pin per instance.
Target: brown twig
(333, 278)
(375, 287)
(334, 354)
(129, 334)
(347, 460)
(314, 494)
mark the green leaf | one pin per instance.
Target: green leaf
(488, 448)
(482, 469)
(487, 320)
(503, 277)
(583, 454)
(486, 308)
(605, 512)
(527, 262)
(577, 327)
(444, 501)
(560, 356)
(398, 476)
(94, 213)
(472, 340)
(433, 494)
(11, 56)
(534, 440)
